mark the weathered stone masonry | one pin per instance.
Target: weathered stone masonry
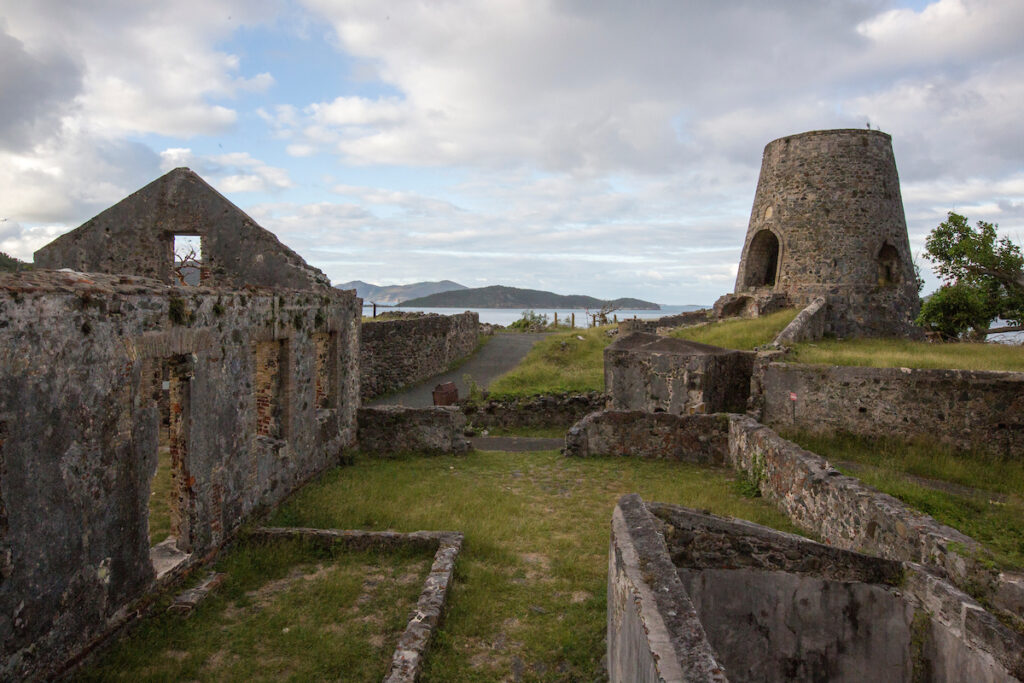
(84, 357)
(399, 353)
(966, 409)
(136, 236)
(827, 221)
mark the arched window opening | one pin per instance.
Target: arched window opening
(762, 260)
(888, 265)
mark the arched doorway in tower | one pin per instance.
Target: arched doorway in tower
(762, 260)
(888, 265)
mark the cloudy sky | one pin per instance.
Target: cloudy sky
(581, 146)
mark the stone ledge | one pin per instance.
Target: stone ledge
(407, 660)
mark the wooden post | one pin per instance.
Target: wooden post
(572, 325)
(374, 309)
(556, 318)
(616, 318)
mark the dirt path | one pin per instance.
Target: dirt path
(516, 444)
(499, 356)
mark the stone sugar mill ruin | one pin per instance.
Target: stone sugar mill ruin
(245, 376)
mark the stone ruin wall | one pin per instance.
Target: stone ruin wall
(398, 353)
(263, 388)
(136, 236)
(827, 221)
(840, 510)
(966, 409)
(696, 597)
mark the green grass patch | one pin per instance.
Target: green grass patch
(530, 583)
(993, 514)
(562, 363)
(160, 498)
(744, 334)
(904, 353)
(288, 610)
(533, 432)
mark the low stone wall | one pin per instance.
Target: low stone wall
(397, 353)
(777, 607)
(652, 325)
(653, 632)
(966, 409)
(845, 513)
(559, 410)
(387, 430)
(408, 657)
(700, 439)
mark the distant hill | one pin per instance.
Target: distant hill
(498, 296)
(393, 294)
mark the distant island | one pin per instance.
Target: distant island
(499, 296)
(394, 294)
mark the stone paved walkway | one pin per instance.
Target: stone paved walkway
(499, 356)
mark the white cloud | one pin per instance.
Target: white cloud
(234, 172)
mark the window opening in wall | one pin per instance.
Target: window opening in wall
(888, 265)
(271, 388)
(762, 260)
(326, 370)
(169, 534)
(187, 268)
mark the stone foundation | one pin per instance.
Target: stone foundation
(387, 430)
(696, 597)
(560, 410)
(702, 439)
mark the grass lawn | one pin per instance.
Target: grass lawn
(160, 498)
(744, 334)
(528, 600)
(287, 611)
(904, 353)
(992, 515)
(562, 363)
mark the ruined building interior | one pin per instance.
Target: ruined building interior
(238, 376)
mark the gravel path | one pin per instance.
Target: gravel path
(499, 356)
(516, 444)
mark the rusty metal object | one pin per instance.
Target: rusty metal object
(446, 394)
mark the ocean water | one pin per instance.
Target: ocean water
(507, 316)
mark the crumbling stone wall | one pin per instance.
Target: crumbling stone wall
(966, 409)
(550, 410)
(696, 597)
(80, 415)
(397, 353)
(387, 430)
(702, 439)
(828, 221)
(662, 374)
(848, 514)
(136, 236)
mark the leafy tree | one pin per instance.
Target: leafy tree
(983, 279)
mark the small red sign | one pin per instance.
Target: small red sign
(792, 396)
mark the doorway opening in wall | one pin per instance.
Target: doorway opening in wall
(326, 370)
(169, 533)
(271, 386)
(888, 265)
(762, 260)
(187, 267)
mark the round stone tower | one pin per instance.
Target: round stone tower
(828, 222)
